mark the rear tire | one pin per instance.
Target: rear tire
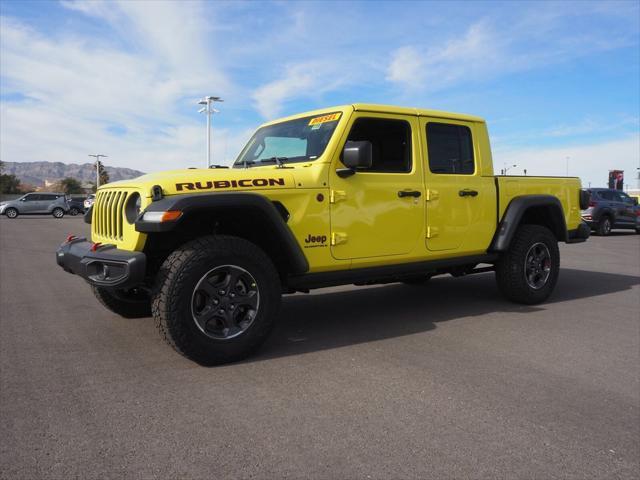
(74, 211)
(126, 303)
(604, 226)
(11, 213)
(57, 212)
(528, 272)
(216, 299)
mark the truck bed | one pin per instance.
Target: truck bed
(565, 189)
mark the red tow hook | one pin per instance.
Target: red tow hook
(70, 238)
(95, 246)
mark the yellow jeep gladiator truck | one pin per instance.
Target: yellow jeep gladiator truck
(356, 194)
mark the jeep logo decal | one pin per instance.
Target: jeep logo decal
(221, 184)
(315, 241)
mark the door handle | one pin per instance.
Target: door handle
(409, 193)
(468, 193)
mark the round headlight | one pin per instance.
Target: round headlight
(132, 208)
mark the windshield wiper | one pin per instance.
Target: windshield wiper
(218, 166)
(277, 160)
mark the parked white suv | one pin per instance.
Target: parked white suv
(88, 202)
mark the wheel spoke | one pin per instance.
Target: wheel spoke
(232, 279)
(250, 299)
(209, 289)
(204, 315)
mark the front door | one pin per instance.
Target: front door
(626, 208)
(30, 203)
(461, 202)
(379, 211)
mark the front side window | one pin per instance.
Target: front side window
(31, 198)
(623, 197)
(450, 149)
(390, 143)
(300, 140)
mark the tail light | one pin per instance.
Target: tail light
(592, 203)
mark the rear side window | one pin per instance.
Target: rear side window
(48, 197)
(606, 195)
(390, 143)
(450, 149)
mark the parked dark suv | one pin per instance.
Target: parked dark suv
(610, 209)
(75, 206)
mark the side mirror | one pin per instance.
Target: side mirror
(355, 155)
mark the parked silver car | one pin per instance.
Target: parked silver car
(36, 203)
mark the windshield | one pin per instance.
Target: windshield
(297, 140)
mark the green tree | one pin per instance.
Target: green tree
(70, 185)
(8, 183)
(104, 176)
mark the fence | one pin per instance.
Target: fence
(7, 197)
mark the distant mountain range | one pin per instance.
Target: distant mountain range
(39, 173)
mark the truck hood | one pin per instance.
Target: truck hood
(211, 180)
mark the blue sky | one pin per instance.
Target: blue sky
(553, 80)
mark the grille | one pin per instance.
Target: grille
(108, 213)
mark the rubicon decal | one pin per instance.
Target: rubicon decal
(222, 184)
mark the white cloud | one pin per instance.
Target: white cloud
(591, 162)
(479, 51)
(77, 87)
(489, 48)
(303, 80)
(406, 67)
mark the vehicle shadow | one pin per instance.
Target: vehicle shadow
(333, 319)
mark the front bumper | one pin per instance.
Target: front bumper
(104, 266)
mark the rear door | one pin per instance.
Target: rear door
(45, 200)
(460, 202)
(626, 207)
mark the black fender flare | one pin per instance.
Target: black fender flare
(190, 204)
(513, 216)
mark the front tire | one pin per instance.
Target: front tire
(126, 303)
(57, 212)
(528, 272)
(11, 213)
(216, 299)
(74, 211)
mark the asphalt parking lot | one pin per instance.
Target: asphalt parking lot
(440, 381)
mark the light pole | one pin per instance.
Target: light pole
(506, 169)
(209, 110)
(97, 157)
